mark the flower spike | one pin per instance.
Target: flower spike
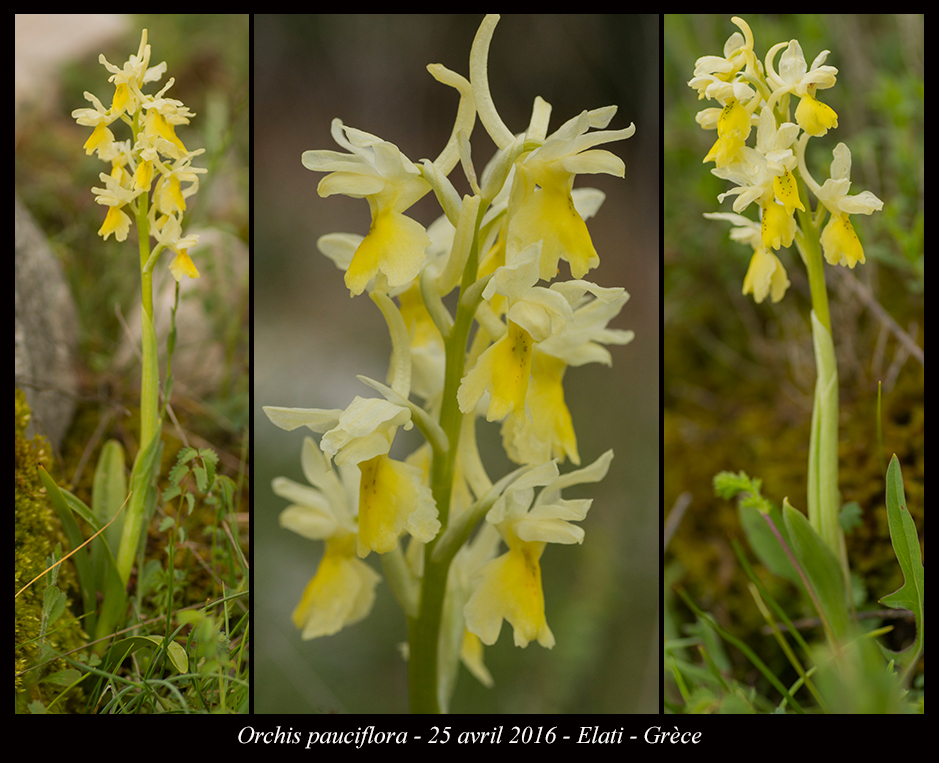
(155, 163)
(497, 350)
(773, 173)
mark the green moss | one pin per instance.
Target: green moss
(36, 532)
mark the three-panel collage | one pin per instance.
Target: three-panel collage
(551, 364)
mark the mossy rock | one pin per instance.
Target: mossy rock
(36, 533)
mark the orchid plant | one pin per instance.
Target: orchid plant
(773, 176)
(460, 551)
(761, 151)
(150, 178)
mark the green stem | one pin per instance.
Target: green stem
(823, 495)
(150, 374)
(142, 476)
(423, 640)
(424, 629)
(812, 253)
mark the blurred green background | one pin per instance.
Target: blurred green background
(739, 376)
(311, 340)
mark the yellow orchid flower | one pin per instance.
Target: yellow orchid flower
(377, 171)
(544, 209)
(840, 243)
(766, 275)
(509, 586)
(794, 76)
(392, 495)
(342, 591)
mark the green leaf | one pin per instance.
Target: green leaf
(77, 506)
(65, 677)
(822, 571)
(210, 459)
(186, 455)
(764, 542)
(911, 594)
(850, 516)
(65, 507)
(823, 496)
(201, 478)
(728, 485)
(52, 569)
(108, 494)
(209, 456)
(177, 473)
(146, 467)
(113, 608)
(121, 649)
(225, 490)
(109, 488)
(53, 604)
(65, 504)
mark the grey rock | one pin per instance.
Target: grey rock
(45, 331)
